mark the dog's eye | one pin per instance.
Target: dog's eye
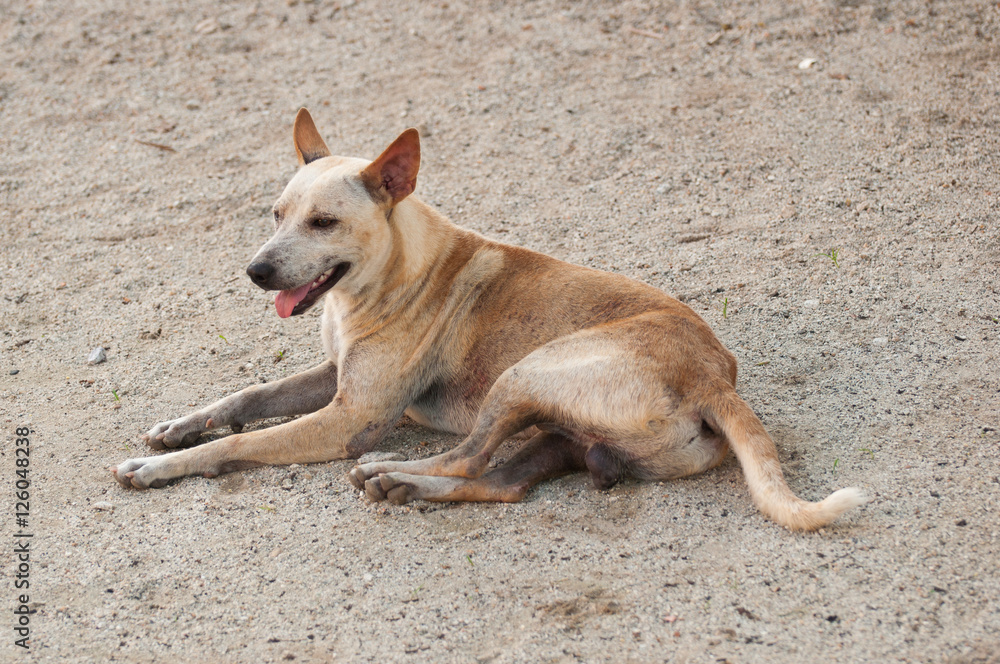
(324, 222)
(277, 217)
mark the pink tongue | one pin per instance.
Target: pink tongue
(286, 300)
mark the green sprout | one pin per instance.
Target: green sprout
(867, 451)
(114, 393)
(469, 558)
(725, 306)
(224, 339)
(836, 462)
(832, 255)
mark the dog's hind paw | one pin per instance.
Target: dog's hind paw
(373, 488)
(358, 478)
(398, 487)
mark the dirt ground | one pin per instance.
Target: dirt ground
(715, 150)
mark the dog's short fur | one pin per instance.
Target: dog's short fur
(476, 337)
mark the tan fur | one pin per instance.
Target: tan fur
(472, 336)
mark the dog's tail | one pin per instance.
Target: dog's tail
(726, 412)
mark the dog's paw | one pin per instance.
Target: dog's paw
(358, 478)
(373, 489)
(386, 487)
(396, 489)
(145, 473)
(177, 433)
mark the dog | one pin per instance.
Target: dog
(471, 336)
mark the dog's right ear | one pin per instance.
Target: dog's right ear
(309, 145)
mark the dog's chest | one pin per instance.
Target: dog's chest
(438, 408)
(331, 327)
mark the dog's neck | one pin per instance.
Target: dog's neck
(421, 238)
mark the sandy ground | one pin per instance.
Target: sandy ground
(684, 146)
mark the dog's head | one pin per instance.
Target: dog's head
(331, 224)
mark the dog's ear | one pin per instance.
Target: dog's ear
(309, 145)
(393, 176)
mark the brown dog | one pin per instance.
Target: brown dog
(476, 337)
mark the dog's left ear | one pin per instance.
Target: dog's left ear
(309, 145)
(393, 176)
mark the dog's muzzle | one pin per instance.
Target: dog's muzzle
(261, 273)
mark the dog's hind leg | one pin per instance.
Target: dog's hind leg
(544, 456)
(587, 381)
(302, 393)
(506, 412)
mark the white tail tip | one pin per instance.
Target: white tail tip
(840, 501)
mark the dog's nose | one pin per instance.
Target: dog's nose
(260, 273)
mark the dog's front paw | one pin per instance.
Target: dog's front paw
(177, 433)
(145, 473)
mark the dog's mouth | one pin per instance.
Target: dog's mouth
(295, 301)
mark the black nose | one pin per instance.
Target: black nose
(260, 273)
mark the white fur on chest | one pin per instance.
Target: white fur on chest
(331, 327)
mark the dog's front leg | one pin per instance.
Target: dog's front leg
(304, 392)
(341, 430)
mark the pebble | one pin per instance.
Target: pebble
(372, 457)
(96, 356)
(961, 337)
(811, 304)
(807, 63)
(880, 341)
(192, 105)
(14, 372)
(103, 506)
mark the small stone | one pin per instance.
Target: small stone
(961, 337)
(367, 578)
(287, 485)
(192, 105)
(372, 457)
(96, 356)
(807, 63)
(811, 304)
(961, 522)
(880, 341)
(208, 26)
(14, 372)
(103, 506)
